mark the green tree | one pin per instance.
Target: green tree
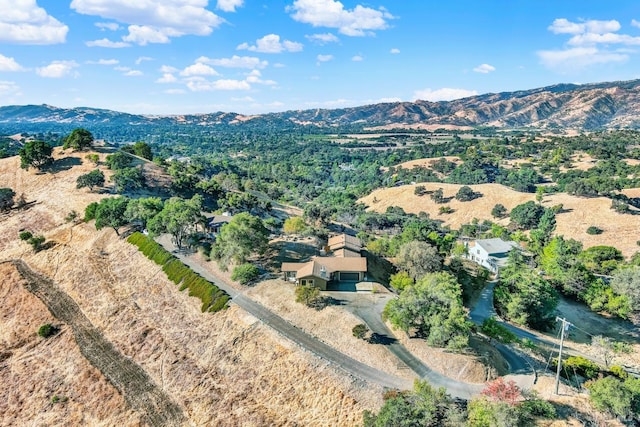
(527, 215)
(242, 237)
(35, 153)
(179, 217)
(95, 178)
(245, 273)
(141, 210)
(360, 331)
(466, 194)
(401, 280)
(294, 225)
(110, 213)
(626, 282)
(560, 262)
(90, 211)
(438, 196)
(614, 396)
(433, 309)
(418, 258)
(140, 149)
(118, 160)
(601, 259)
(499, 211)
(523, 296)
(128, 179)
(6, 199)
(78, 139)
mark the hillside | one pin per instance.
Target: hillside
(222, 369)
(608, 105)
(620, 231)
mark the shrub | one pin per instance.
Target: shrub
(37, 242)
(47, 330)
(25, 235)
(360, 331)
(445, 210)
(245, 273)
(466, 194)
(420, 190)
(307, 295)
(438, 196)
(499, 211)
(619, 372)
(492, 328)
(593, 230)
(582, 366)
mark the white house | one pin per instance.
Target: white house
(490, 253)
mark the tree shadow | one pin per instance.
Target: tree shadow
(327, 301)
(63, 164)
(382, 339)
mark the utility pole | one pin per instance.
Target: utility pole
(565, 326)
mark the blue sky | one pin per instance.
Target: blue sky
(246, 56)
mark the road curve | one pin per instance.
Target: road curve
(298, 336)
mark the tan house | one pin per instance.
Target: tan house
(321, 270)
(344, 245)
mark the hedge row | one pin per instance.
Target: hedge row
(213, 298)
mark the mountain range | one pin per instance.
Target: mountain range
(608, 105)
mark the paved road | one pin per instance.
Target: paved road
(484, 309)
(303, 339)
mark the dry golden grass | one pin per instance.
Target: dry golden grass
(33, 370)
(222, 369)
(620, 231)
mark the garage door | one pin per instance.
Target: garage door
(351, 277)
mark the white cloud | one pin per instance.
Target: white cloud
(141, 59)
(484, 68)
(199, 69)
(279, 65)
(357, 58)
(202, 85)
(229, 5)
(24, 22)
(144, 34)
(564, 26)
(271, 44)
(590, 44)
(168, 69)
(9, 88)
(443, 94)
(590, 39)
(243, 99)
(167, 78)
(57, 69)
(358, 21)
(322, 39)
(104, 62)
(235, 61)
(255, 77)
(635, 23)
(111, 26)
(578, 57)
(175, 91)
(9, 64)
(133, 73)
(394, 51)
(152, 21)
(324, 58)
(107, 43)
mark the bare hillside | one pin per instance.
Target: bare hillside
(578, 214)
(221, 369)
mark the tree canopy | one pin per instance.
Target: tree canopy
(110, 213)
(78, 139)
(95, 178)
(527, 215)
(6, 198)
(419, 258)
(432, 308)
(179, 217)
(242, 237)
(35, 153)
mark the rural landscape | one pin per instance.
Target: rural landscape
(310, 277)
(323, 213)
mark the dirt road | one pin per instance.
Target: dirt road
(138, 389)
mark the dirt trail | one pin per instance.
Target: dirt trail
(138, 389)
